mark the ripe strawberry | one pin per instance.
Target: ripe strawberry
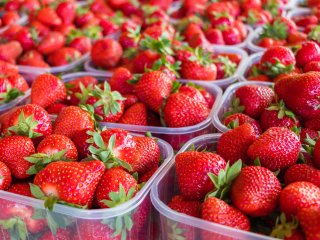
(231, 36)
(276, 148)
(312, 66)
(12, 85)
(61, 180)
(40, 28)
(72, 120)
(9, 18)
(181, 110)
(7, 68)
(5, 176)
(63, 56)
(306, 133)
(22, 188)
(10, 51)
(13, 151)
(309, 221)
(115, 181)
(61, 234)
(218, 211)
(302, 172)
(119, 81)
(153, 88)
(192, 91)
(196, 166)
(90, 229)
(199, 66)
(252, 100)
(215, 36)
(144, 59)
(80, 140)
(297, 37)
(309, 51)
(136, 114)
(232, 147)
(255, 191)
(106, 53)
(299, 195)
(56, 108)
(300, 93)
(65, 29)
(48, 17)
(130, 100)
(67, 12)
(238, 119)
(46, 90)
(82, 44)
(30, 120)
(27, 37)
(32, 58)
(51, 43)
(146, 176)
(316, 153)
(182, 205)
(286, 230)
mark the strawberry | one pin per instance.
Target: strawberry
(66, 12)
(47, 89)
(106, 53)
(196, 166)
(130, 100)
(231, 36)
(215, 36)
(252, 100)
(218, 211)
(32, 58)
(278, 115)
(312, 66)
(286, 230)
(7, 68)
(306, 133)
(232, 147)
(5, 176)
(219, 19)
(181, 110)
(27, 37)
(299, 195)
(146, 176)
(13, 151)
(51, 43)
(316, 153)
(199, 66)
(144, 59)
(63, 56)
(65, 29)
(237, 119)
(80, 140)
(302, 21)
(40, 28)
(30, 120)
(115, 187)
(9, 18)
(10, 32)
(61, 234)
(300, 93)
(12, 85)
(48, 17)
(192, 91)
(10, 51)
(210, 99)
(309, 51)
(276, 148)
(61, 180)
(180, 204)
(82, 44)
(136, 114)
(90, 229)
(255, 191)
(153, 88)
(119, 81)
(56, 108)
(302, 172)
(309, 221)
(22, 188)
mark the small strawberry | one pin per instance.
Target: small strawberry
(146, 176)
(56, 108)
(9, 18)
(237, 119)
(82, 44)
(67, 12)
(231, 36)
(309, 221)
(10, 51)
(46, 90)
(144, 59)
(32, 58)
(27, 37)
(119, 81)
(115, 187)
(48, 17)
(316, 152)
(302, 172)
(180, 204)
(51, 43)
(136, 114)
(309, 51)
(90, 229)
(12, 85)
(215, 36)
(225, 67)
(5, 176)
(307, 133)
(63, 56)
(22, 188)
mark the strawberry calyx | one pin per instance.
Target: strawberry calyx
(135, 78)
(185, 22)
(272, 6)
(16, 226)
(228, 67)
(92, 32)
(161, 45)
(41, 160)
(235, 107)
(309, 147)
(251, 18)
(34, 35)
(201, 56)
(118, 18)
(233, 124)
(118, 198)
(282, 110)
(223, 180)
(84, 93)
(274, 69)
(74, 33)
(10, 94)
(134, 33)
(121, 225)
(278, 30)
(174, 232)
(282, 228)
(163, 62)
(314, 34)
(25, 126)
(130, 53)
(105, 153)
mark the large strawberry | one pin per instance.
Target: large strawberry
(309, 219)
(47, 89)
(152, 88)
(309, 51)
(61, 181)
(13, 151)
(255, 191)
(302, 172)
(196, 166)
(301, 93)
(63, 56)
(51, 42)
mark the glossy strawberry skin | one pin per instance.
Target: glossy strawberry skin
(22, 188)
(80, 141)
(195, 71)
(6, 177)
(63, 56)
(309, 51)
(302, 172)
(270, 118)
(309, 219)
(242, 119)
(118, 81)
(180, 204)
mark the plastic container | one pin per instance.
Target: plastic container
(22, 21)
(30, 73)
(139, 209)
(253, 38)
(183, 226)
(299, 12)
(21, 100)
(175, 136)
(226, 102)
(254, 58)
(223, 83)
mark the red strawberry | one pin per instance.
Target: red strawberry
(215, 36)
(61, 234)
(116, 181)
(153, 88)
(255, 191)
(182, 205)
(9, 33)
(309, 219)
(307, 132)
(231, 36)
(80, 141)
(297, 37)
(51, 43)
(181, 110)
(192, 91)
(9, 18)
(300, 93)
(12, 85)
(61, 180)
(5, 176)
(144, 59)
(49, 17)
(72, 120)
(316, 153)
(7, 68)
(27, 37)
(66, 11)
(146, 176)
(22, 188)
(130, 100)
(309, 51)
(119, 81)
(196, 166)
(238, 119)
(10, 51)
(63, 56)
(233, 145)
(299, 195)
(40, 28)
(56, 108)
(276, 148)
(13, 151)
(287, 230)
(106, 53)
(90, 229)
(312, 66)
(82, 44)
(302, 172)
(32, 58)
(218, 211)
(46, 90)
(136, 114)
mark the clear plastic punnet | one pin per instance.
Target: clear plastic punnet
(223, 83)
(94, 222)
(22, 21)
(254, 58)
(225, 103)
(182, 226)
(21, 100)
(174, 136)
(252, 40)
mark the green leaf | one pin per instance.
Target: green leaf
(36, 191)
